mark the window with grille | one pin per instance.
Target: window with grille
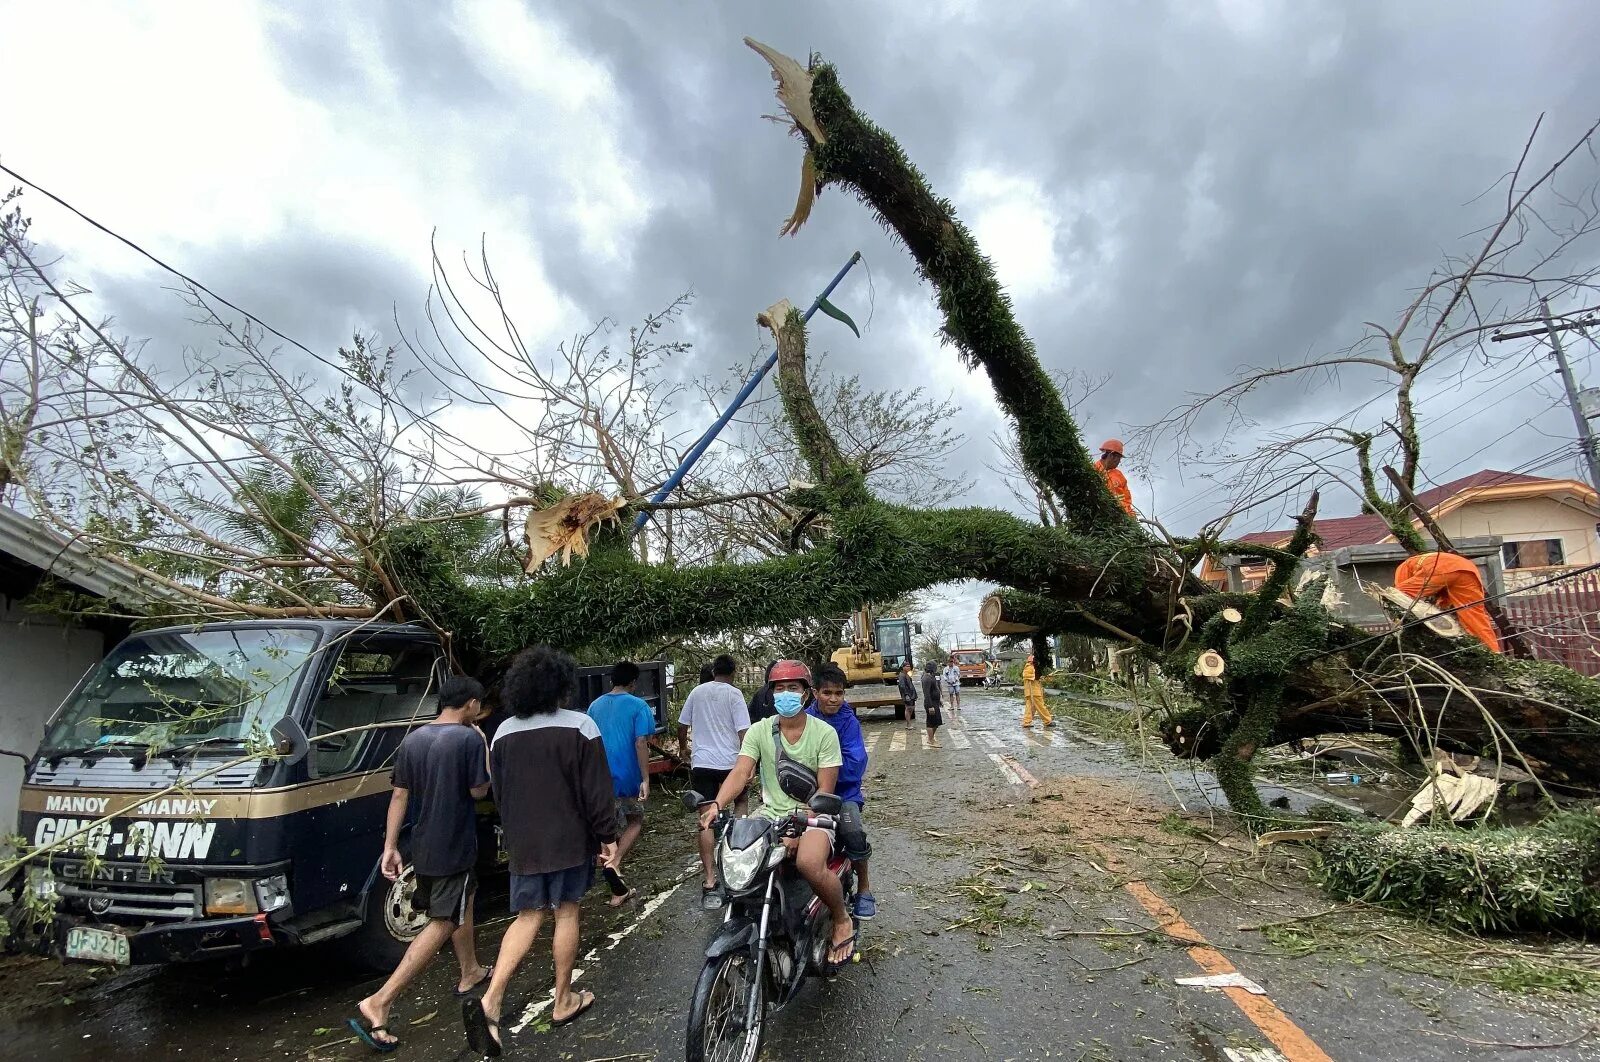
(1539, 553)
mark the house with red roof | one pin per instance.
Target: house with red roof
(1544, 526)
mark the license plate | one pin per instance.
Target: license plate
(97, 945)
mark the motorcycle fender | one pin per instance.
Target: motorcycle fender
(733, 936)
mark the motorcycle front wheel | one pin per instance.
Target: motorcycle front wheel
(719, 1029)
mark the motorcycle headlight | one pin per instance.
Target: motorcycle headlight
(740, 866)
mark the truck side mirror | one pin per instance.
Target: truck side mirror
(289, 741)
(916, 628)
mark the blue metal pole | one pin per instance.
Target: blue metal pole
(745, 392)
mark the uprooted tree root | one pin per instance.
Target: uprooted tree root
(1533, 878)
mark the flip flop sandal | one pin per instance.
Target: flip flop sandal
(848, 942)
(621, 899)
(480, 1028)
(364, 1034)
(488, 972)
(585, 1001)
(614, 881)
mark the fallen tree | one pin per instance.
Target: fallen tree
(1276, 664)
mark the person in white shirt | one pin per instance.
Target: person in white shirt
(952, 687)
(712, 724)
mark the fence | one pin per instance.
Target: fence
(1559, 622)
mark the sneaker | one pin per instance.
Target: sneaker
(710, 899)
(866, 907)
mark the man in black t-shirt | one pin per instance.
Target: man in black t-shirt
(440, 772)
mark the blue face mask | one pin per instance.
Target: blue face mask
(787, 702)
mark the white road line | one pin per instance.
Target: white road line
(1005, 768)
(925, 742)
(1253, 1054)
(897, 741)
(872, 743)
(990, 740)
(960, 740)
(532, 1011)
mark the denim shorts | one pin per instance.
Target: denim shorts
(546, 892)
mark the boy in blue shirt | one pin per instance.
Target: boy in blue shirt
(625, 723)
(829, 706)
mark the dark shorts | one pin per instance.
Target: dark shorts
(934, 718)
(447, 897)
(707, 781)
(853, 833)
(628, 808)
(546, 892)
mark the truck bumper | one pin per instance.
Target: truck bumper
(204, 938)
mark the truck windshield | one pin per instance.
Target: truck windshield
(174, 689)
(969, 658)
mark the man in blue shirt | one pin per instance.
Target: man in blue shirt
(625, 723)
(829, 706)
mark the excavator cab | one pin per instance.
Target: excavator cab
(878, 647)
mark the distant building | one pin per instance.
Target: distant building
(42, 656)
(1522, 529)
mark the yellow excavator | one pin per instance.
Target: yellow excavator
(879, 645)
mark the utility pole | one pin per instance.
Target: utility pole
(1586, 440)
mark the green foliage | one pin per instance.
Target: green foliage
(978, 319)
(1543, 877)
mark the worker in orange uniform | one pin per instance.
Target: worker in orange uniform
(1110, 458)
(1033, 697)
(1452, 582)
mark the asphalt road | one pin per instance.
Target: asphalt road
(1082, 964)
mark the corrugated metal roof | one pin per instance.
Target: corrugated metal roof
(30, 541)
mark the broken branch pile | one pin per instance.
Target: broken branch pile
(1542, 877)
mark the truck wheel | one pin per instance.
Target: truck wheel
(389, 923)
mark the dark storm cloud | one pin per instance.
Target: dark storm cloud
(1234, 184)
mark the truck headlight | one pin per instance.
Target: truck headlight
(234, 896)
(42, 883)
(272, 893)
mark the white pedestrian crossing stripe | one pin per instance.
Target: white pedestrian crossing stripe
(960, 740)
(990, 740)
(871, 743)
(897, 741)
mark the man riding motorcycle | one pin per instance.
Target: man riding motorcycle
(794, 743)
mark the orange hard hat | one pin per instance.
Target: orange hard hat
(1111, 446)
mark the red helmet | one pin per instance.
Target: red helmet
(790, 671)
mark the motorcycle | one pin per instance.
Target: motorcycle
(776, 930)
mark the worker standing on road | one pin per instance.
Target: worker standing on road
(1450, 581)
(1033, 697)
(1110, 458)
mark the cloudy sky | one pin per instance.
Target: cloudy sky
(1169, 191)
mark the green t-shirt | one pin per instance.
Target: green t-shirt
(818, 748)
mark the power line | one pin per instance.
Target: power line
(186, 278)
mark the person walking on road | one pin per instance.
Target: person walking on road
(553, 788)
(441, 771)
(713, 724)
(931, 715)
(908, 694)
(1033, 697)
(626, 724)
(952, 689)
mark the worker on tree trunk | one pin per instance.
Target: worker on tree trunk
(1110, 458)
(1033, 697)
(1452, 582)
